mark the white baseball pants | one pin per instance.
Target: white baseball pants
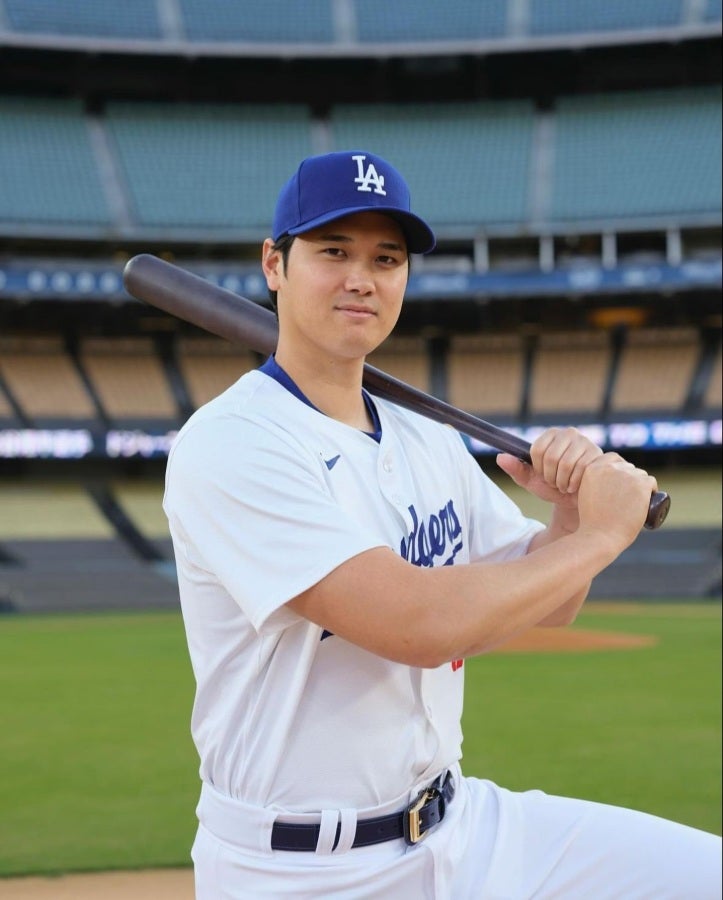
(493, 844)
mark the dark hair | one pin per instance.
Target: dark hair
(283, 246)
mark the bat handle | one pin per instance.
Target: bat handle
(384, 385)
(659, 500)
(658, 510)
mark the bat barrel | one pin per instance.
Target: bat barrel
(237, 319)
(192, 298)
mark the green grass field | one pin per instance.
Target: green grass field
(98, 769)
(636, 727)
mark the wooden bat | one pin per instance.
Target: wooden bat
(231, 316)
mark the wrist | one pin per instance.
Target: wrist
(564, 519)
(601, 541)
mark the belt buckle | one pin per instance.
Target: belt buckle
(413, 833)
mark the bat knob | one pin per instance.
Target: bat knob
(658, 510)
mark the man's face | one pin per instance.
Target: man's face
(342, 290)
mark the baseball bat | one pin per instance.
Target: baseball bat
(235, 318)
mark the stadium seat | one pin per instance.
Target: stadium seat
(210, 365)
(7, 413)
(637, 154)
(403, 21)
(48, 172)
(43, 380)
(713, 11)
(466, 163)
(563, 17)
(210, 166)
(713, 397)
(128, 378)
(130, 19)
(485, 373)
(404, 358)
(85, 574)
(287, 21)
(655, 369)
(569, 372)
(368, 21)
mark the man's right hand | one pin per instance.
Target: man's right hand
(614, 498)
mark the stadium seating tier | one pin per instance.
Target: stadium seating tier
(206, 166)
(48, 172)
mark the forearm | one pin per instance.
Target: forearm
(425, 617)
(544, 587)
(563, 521)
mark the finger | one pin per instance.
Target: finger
(540, 447)
(545, 453)
(554, 454)
(573, 464)
(519, 471)
(563, 455)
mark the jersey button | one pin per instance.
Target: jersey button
(387, 464)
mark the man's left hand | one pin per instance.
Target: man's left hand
(559, 459)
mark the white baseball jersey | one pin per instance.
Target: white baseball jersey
(265, 496)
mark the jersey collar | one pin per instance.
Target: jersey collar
(274, 370)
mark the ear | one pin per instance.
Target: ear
(272, 265)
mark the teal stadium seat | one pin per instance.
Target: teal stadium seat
(286, 21)
(564, 17)
(48, 173)
(403, 21)
(713, 11)
(89, 18)
(212, 166)
(466, 163)
(638, 154)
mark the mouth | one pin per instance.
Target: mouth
(356, 311)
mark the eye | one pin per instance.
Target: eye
(333, 251)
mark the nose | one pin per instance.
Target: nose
(359, 280)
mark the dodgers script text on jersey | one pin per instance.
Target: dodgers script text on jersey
(441, 537)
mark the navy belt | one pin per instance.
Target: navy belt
(412, 823)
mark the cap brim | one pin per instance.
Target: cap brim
(419, 236)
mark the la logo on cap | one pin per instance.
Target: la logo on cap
(371, 177)
(330, 186)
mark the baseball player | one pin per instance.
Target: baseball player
(338, 559)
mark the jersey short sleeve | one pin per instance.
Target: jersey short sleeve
(247, 505)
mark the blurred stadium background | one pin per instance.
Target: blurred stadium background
(567, 153)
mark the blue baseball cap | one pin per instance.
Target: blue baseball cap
(333, 185)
